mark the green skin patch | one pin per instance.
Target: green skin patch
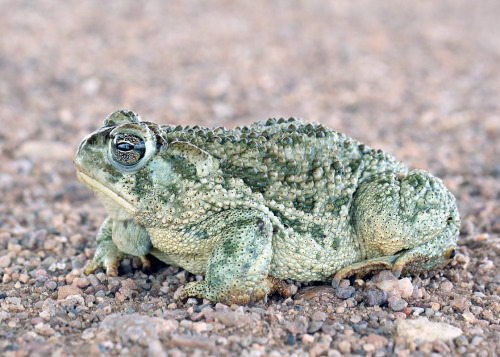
(251, 206)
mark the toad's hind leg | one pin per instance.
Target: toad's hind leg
(406, 223)
(239, 263)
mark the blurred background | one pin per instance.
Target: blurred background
(418, 79)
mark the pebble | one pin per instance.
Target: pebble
(425, 330)
(344, 292)
(67, 290)
(376, 297)
(316, 292)
(4, 261)
(344, 347)
(460, 304)
(307, 339)
(435, 306)
(93, 280)
(81, 283)
(314, 326)
(44, 329)
(137, 328)
(377, 341)
(233, 318)
(383, 275)
(291, 339)
(50, 284)
(469, 317)
(400, 288)
(446, 286)
(397, 304)
(298, 326)
(319, 316)
(192, 342)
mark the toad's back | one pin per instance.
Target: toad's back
(308, 175)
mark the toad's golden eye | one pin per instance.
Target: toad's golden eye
(450, 254)
(128, 149)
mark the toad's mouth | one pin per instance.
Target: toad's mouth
(99, 187)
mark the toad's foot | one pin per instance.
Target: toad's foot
(108, 257)
(200, 289)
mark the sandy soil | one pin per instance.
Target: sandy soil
(420, 80)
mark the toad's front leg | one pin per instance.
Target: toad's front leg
(117, 240)
(239, 263)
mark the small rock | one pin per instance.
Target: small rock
(355, 319)
(307, 339)
(344, 292)
(440, 347)
(67, 290)
(446, 287)
(344, 347)
(425, 330)
(314, 326)
(44, 329)
(398, 304)
(460, 304)
(36, 320)
(192, 342)
(461, 340)
(200, 326)
(400, 288)
(50, 284)
(469, 317)
(313, 292)
(435, 306)
(383, 275)
(4, 261)
(429, 312)
(376, 297)
(319, 316)
(368, 347)
(129, 284)
(81, 283)
(155, 348)
(232, 318)
(93, 280)
(137, 328)
(300, 325)
(377, 341)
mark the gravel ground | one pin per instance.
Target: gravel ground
(418, 79)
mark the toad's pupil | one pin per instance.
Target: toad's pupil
(125, 146)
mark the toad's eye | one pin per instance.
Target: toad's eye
(450, 254)
(128, 149)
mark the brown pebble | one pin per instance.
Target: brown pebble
(67, 290)
(344, 346)
(81, 283)
(377, 341)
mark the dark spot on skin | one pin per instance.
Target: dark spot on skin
(229, 247)
(261, 226)
(201, 234)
